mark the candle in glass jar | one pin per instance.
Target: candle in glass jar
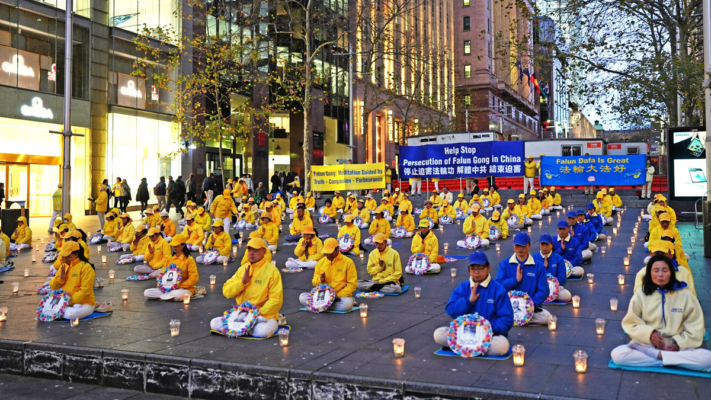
(124, 294)
(446, 246)
(112, 275)
(174, 327)
(621, 279)
(613, 304)
(633, 239)
(557, 213)
(498, 247)
(441, 228)
(200, 250)
(363, 310)
(186, 298)
(600, 326)
(591, 278)
(34, 258)
(629, 250)
(73, 319)
(634, 230)
(626, 261)
(639, 219)
(283, 337)
(549, 219)
(519, 355)
(362, 255)
(15, 287)
(103, 259)
(581, 361)
(3, 314)
(399, 347)
(453, 272)
(609, 241)
(418, 292)
(213, 279)
(576, 301)
(273, 253)
(614, 231)
(273, 263)
(540, 224)
(239, 241)
(552, 322)
(42, 241)
(98, 249)
(27, 272)
(224, 262)
(603, 250)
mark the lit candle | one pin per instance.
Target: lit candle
(363, 310)
(639, 219)
(591, 278)
(629, 250)
(446, 246)
(100, 282)
(200, 250)
(241, 234)
(273, 253)
(549, 219)
(124, 294)
(519, 355)
(613, 304)
(603, 249)
(609, 241)
(186, 299)
(27, 272)
(399, 347)
(239, 241)
(418, 292)
(641, 212)
(36, 247)
(73, 319)
(3, 314)
(42, 241)
(459, 222)
(634, 230)
(633, 239)
(112, 275)
(576, 301)
(224, 262)
(626, 261)
(621, 279)
(498, 247)
(540, 224)
(98, 249)
(557, 213)
(234, 248)
(174, 327)
(600, 326)
(283, 337)
(441, 228)
(15, 287)
(145, 262)
(453, 272)
(581, 361)
(614, 231)
(362, 254)
(552, 322)
(529, 229)
(34, 258)
(213, 279)
(103, 259)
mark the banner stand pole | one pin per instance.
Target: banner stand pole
(427, 188)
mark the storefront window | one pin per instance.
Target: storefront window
(135, 15)
(139, 92)
(142, 148)
(81, 7)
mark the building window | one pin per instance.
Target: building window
(467, 47)
(466, 3)
(466, 24)
(468, 100)
(467, 71)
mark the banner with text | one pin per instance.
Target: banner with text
(593, 170)
(451, 161)
(347, 177)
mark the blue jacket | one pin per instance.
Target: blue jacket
(493, 304)
(556, 266)
(573, 250)
(595, 221)
(591, 231)
(582, 235)
(534, 281)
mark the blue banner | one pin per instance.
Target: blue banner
(451, 161)
(593, 170)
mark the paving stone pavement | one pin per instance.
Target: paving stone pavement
(348, 344)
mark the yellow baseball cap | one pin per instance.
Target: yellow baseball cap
(599, 195)
(190, 217)
(661, 245)
(665, 217)
(125, 215)
(511, 201)
(476, 207)
(68, 248)
(530, 157)
(445, 202)
(218, 223)
(521, 196)
(552, 188)
(533, 192)
(604, 191)
(191, 203)
(74, 234)
(266, 215)
(329, 246)
(460, 195)
(495, 215)
(178, 240)
(424, 223)
(659, 208)
(475, 197)
(153, 231)
(380, 238)
(257, 243)
(662, 198)
(141, 228)
(349, 218)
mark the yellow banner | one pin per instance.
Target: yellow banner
(347, 177)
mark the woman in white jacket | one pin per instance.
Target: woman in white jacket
(665, 322)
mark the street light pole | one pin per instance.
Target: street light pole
(67, 132)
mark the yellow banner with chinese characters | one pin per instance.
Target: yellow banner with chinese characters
(347, 177)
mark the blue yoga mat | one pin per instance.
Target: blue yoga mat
(281, 328)
(5, 269)
(404, 289)
(457, 257)
(356, 308)
(395, 244)
(572, 278)
(661, 370)
(603, 231)
(557, 303)
(94, 315)
(450, 353)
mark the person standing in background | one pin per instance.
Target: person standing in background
(56, 206)
(142, 195)
(276, 182)
(388, 179)
(159, 190)
(248, 181)
(125, 195)
(101, 204)
(2, 193)
(191, 187)
(208, 185)
(647, 188)
(529, 171)
(180, 184)
(117, 192)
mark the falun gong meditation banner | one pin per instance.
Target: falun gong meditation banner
(593, 170)
(347, 177)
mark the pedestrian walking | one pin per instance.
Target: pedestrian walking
(191, 187)
(117, 192)
(125, 195)
(276, 182)
(159, 191)
(181, 191)
(142, 196)
(101, 204)
(208, 185)
(173, 197)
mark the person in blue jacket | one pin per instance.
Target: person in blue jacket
(580, 232)
(522, 272)
(567, 246)
(554, 264)
(485, 296)
(595, 221)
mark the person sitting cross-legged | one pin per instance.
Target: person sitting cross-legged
(430, 212)
(308, 250)
(665, 322)
(426, 242)
(269, 231)
(297, 226)
(157, 252)
(76, 277)
(580, 232)
(406, 221)
(385, 267)
(379, 225)
(339, 272)
(218, 240)
(139, 243)
(476, 224)
(534, 206)
(482, 295)
(183, 260)
(594, 223)
(363, 213)
(193, 232)
(554, 264)
(350, 229)
(522, 272)
(386, 206)
(500, 223)
(258, 282)
(167, 226)
(568, 247)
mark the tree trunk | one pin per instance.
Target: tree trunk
(221, 164)
(307, 96)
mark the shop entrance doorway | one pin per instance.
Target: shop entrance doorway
(30, 186)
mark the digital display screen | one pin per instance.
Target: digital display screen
(688, 155)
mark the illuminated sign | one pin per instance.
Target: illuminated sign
(131, 91)
(17, 66)
(52, 74)
(36, 110)
(154, 93)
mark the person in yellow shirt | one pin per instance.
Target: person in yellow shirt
(127, 233)
(554, 199)
(405, 203)
(156, 254)
(297, 226)
(337, 271)
(338, 202)
(664, 228)
(151, 219)
(308, 251)
(388, 208)
(388, 178)
(379, 225)
(4, 250)
(204, 220)
(292, 202)
(523, 210)
(279, 202)
(330, 210)
(67, 219)
(353, 231)
(396, 198)
(101, 204)
(604, 208)
(370, 203)
(385, 268)
(426, 242)
(139, 243)
(218, 240)
(351, 205)
(269, 231)
(486, 201)
(534, 207)
(310, 202)
(545, 203)
(274, 210)
(222, 208)
(461, 204)
(476, 200)
(259, 282)
(497, 222)
(662, 201)
(22, 236)
(447, 210)
(495, 198)
(476, 224)
(110, 230)
(509, 212)
(76, 278)
(364, 215)
(249, 219)
(189, 272)
(436, 199)
(529, 174)
(430, 212)
(167, 227)
(193, 232)
(406, 221)
(616, 200)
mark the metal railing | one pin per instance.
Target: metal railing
(696, 212)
